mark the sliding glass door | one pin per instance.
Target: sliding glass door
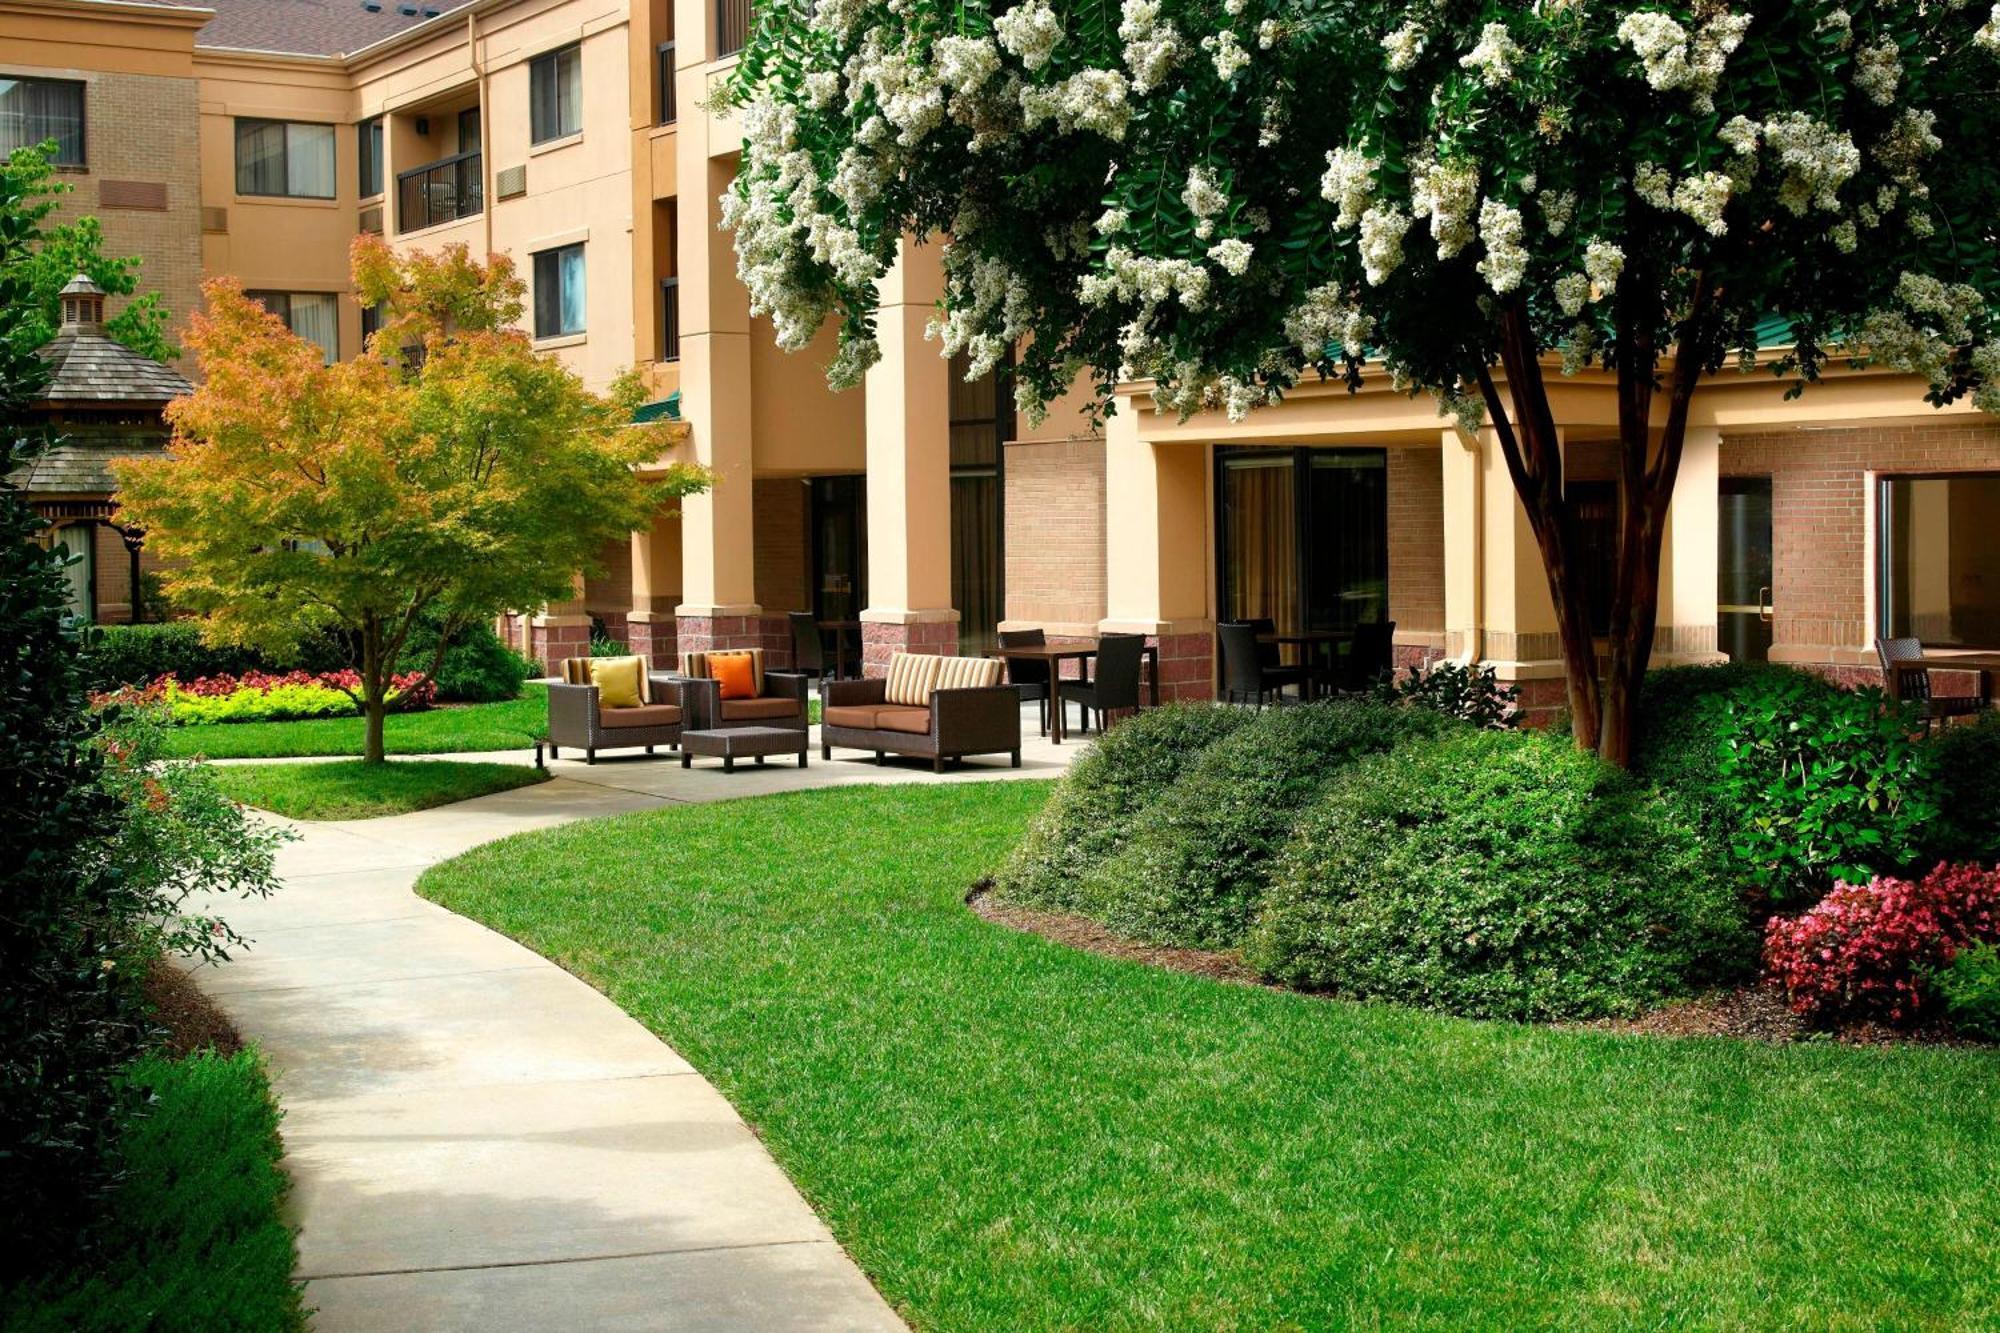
(839, 546)
(1303, 537)
(979, 429)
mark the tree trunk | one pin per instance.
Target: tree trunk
(374, 689)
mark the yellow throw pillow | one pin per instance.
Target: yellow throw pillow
(618, 681)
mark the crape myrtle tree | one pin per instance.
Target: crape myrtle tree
(1470, 198)
(448, 471)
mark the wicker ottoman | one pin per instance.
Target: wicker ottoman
(732, 743)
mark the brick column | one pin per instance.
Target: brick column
(562, 629)
(1156, 568)
(656, 589)
(908, 415)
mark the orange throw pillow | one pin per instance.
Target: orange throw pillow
(732, 671)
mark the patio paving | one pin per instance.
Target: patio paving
(477, 1139)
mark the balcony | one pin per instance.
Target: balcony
(732, 27)
(444, 191)
(664, 60)
(670, 319)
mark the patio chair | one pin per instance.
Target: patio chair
(808, 648)
(1116, 688)
(579, 719)
(1245, 676)
(1030, 679)
(1370, 656)
(768, 699)
(1910, 681)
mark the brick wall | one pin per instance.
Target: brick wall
(1820, 513)
(609, 594)
(778, 515)
(1055, 531)
(1416, 540)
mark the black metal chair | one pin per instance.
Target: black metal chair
(1910, 681)
(1246, 674)
(1116, 689)
(808, 648)
(1029, 679)
(1370, 656)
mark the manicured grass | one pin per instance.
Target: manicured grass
(354, 790)
(1006, 1133)
(447, 729)
(194, 1238)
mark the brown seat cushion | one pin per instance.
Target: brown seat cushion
(746, 710)
(916, 721)
(861, 716)
(646, 715)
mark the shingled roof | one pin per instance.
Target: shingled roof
(77, 467)
(313, 27)
(87, 369)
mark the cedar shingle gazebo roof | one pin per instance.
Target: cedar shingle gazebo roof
(88, 369)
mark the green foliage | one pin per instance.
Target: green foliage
(1497, 875)
(1969, 989)
(1087, 817)
(355, 790)
(115, 655)
(1967, 827)
(1471, 694)
(1195, 862)
(194, 1237)
(71, 248)
(513, 725)
(476, 667)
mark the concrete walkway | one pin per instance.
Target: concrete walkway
(477, 1139)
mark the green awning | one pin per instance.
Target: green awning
(665, 409)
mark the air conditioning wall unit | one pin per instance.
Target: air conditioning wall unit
(511, 182)
(371, 220)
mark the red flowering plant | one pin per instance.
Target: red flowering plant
(1866, 951)
(260, 696)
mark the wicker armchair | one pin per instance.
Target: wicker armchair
(1910, 680)
(577, 719)
(779, 699)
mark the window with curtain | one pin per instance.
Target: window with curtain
(559, 305)
(1939, 552)
(1260, 540)
(368, 138)
(283, 158)
(314, 316)
(1303, 537)
(555, 94)
(35, 110)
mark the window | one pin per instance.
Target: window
(284, 158)
(314, 316)
(559, 292)
(1593, 521)
(1303, 537)
(665, 62)
(732, 26)
(368, 136)
(32, 110)
(371, 322)
(468, 130)
(1940, 559)
(555, 94)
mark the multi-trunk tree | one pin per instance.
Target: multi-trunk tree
(1220, 199)
(448, 470)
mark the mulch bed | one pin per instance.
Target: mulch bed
(190, 1020)
(1746, 1013)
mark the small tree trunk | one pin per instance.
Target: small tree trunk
(374, 692)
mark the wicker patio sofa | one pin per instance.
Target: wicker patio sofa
(929, 707)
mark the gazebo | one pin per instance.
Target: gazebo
(106, 402)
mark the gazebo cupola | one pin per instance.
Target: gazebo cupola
(83, 306)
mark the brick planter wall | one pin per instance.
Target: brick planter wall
(880, 642)
(550, 644)
(655, 641)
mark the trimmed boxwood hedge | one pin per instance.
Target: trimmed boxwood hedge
(1497, 875)
(1087, 814)
(1193, 866)
(1967, 827)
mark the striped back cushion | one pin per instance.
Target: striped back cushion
(912, 677)
(967, 673)
(576, 671)
(696, 665)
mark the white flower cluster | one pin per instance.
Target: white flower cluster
(1986, 369)
(1558, 210)
(1501, 232)
(1445, 192)
(1325, 317)
(1090, 99)
(1030, 32)
(1232, 256)
(1203, 195)
(991, 309)
(1381, 243)
(1678, 61)
(1703, 199)
(1349, 182)
(1815, 160)
(1840, 21)
(1152, 282)
(1269, 33)
(1227, 52)
(1908, 144)
(1151, 47)
(1603, 263)
(1572, 292)
(1878, 71)
(1404, 46)
(1988, 35)
(1494, 56)
(1655, 184)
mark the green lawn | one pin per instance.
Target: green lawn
(354, 790)
(1006, 1133)
(447, 729)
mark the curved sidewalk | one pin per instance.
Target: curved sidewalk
(479, 1140)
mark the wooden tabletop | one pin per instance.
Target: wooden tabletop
(1308, 636)
(1960, 661)
(1047, 652)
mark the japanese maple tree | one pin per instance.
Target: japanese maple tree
(449, 468)
(1471, 198)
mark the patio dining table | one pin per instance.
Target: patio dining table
(1309, 642)
(1080, 651)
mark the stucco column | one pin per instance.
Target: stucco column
(656, 588)
(718, 607)
(1156, 565)
(907, 413)
(1497, 608)
(559, 630)
(1690, 555)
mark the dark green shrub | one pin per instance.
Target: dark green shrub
(1194, 865)
(1969, 989)
(1470, 694)
(1497, 875)
(1086, 815)
(115, 655)
(1967, 827)
(194, 1237)
(477, 668)
(1796, 781)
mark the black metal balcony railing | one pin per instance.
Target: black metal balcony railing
(732, 26)
(665, 63)
(670, 319)
(444, 191)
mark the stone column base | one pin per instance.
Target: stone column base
(552, 638)
(652, 637)
(886, 633)
(704, 629)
